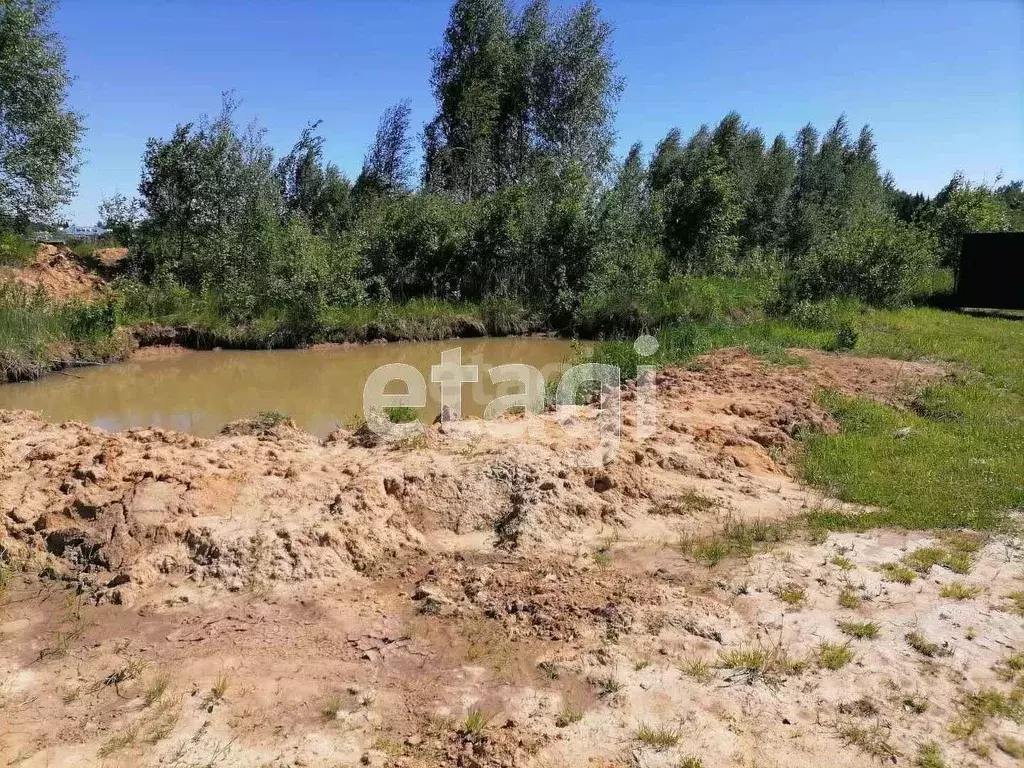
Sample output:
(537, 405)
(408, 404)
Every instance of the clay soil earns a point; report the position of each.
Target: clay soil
(263, 598)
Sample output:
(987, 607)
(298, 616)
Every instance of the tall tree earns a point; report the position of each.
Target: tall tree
(766, 216)
(469, 79)
(386, 167)
(513, 91)
(319, 192)
(39, 135)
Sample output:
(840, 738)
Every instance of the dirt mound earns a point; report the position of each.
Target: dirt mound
(265, 502)
(61, 273)
(460, 599)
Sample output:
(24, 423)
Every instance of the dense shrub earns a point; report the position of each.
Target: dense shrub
(877, 259)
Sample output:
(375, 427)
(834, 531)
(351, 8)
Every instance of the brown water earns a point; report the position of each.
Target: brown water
(199, 392)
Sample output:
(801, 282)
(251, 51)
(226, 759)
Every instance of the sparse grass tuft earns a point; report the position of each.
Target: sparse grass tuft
(793, 594)
(658, 738)
(862, 630)
(901, 574)
(873, 741)
(697, 669)
(606, 686)
(976, 709)
(957, 590)
(118, 741)
(930, 756)
(925, 647)
(475, 723)
(217, 690)
(771, 664)
(711, 553)
(568, 715)
(834, 655)
(843, 562)
(549, 669)
(156, 690)
(333, 707)
(1011, 746)
(848, 598)
(918, 705)
(1015, 602)
(691, 762)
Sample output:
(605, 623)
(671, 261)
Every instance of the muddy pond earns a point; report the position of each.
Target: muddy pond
(320, 387)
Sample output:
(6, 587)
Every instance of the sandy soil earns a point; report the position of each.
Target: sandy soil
(63, 275)
(266, 599)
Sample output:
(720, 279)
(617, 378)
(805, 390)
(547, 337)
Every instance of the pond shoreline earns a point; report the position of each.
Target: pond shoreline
(126, 342)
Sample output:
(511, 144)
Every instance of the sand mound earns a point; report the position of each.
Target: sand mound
(61, 273)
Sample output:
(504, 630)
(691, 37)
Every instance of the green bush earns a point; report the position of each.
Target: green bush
(876, 259)
(15, 250)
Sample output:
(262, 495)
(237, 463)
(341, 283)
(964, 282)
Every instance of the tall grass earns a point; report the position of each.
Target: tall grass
(38, 335)
(15, 250)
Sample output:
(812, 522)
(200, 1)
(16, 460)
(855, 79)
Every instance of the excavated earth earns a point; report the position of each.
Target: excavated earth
(463, 597)
(63, 275)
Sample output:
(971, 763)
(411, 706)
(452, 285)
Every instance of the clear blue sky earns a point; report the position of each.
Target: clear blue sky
(941, 83)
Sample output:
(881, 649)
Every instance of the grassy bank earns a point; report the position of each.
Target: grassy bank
(163, 315)
(38, 336)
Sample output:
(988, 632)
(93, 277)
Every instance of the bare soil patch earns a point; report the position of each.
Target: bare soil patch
(265, 598)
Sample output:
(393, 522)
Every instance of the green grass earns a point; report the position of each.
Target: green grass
(834, 655)
(15, 250)
(401, 414)
(962, 462)
(656, 737)
(862, 630)
(38, 335)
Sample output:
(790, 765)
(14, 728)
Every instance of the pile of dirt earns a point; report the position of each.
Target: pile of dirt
(63, 275)
(272, 503)
(461, 599)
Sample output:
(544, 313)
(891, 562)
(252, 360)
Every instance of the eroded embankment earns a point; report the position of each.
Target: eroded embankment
(460, 599)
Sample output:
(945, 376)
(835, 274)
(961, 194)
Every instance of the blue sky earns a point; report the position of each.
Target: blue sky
(941, 83)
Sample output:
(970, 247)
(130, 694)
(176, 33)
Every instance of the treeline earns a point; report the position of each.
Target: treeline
(519, 199)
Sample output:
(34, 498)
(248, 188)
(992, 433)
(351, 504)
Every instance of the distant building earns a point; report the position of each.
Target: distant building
(84, 233)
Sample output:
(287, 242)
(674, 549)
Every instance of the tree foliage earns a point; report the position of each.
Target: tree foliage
(39, 135)
(521, 200)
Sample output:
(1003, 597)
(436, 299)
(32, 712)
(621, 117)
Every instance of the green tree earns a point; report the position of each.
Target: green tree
(766, 214)
(963, 207)
(318, 192)
(386, 167)
(39, 135)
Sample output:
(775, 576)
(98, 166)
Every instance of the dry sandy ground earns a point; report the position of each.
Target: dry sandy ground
(63, 275)
(265, 599)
